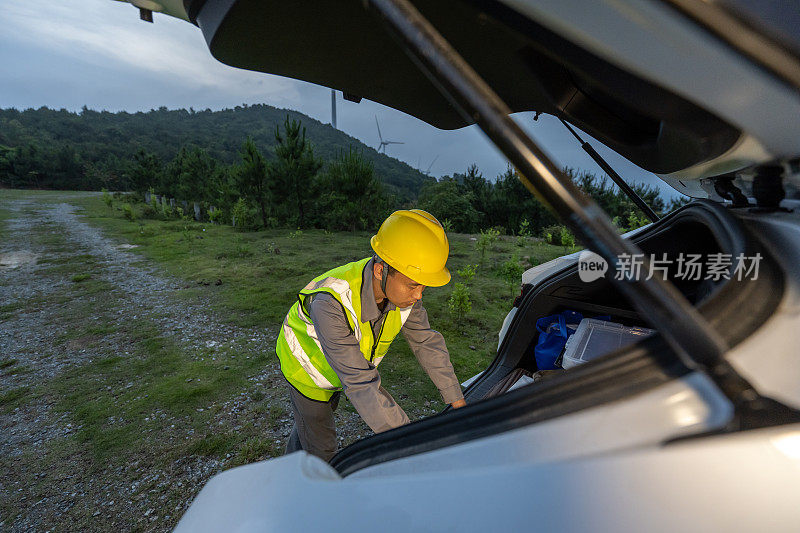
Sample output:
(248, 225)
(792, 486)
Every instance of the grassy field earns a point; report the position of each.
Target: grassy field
(136, 403)
(261, 272)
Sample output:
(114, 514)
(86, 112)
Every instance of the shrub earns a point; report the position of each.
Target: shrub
(128, 212)
(243, 216)
(524, 233)
(486, 239)
(166, 209)
(552, 234)
(148, 211)
(511, 271)
(567, 238)
(107, 198)
(447, 225)
(467, 273)
(459, 302)
(558, 235)
(524, 228)
(215, 216)
(153, 202)
(635, 221)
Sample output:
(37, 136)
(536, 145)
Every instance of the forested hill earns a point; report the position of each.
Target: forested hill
(64, 150)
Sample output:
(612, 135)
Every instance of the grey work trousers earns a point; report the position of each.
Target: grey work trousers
(314, 430)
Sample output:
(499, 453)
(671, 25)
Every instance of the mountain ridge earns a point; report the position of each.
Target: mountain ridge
(99, 138)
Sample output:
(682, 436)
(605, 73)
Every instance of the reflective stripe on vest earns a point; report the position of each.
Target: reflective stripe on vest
(302, 360)
(302, 357)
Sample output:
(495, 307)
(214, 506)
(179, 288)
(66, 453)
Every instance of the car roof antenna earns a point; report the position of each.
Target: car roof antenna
(616, 178)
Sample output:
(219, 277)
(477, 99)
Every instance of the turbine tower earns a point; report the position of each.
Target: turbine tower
(333, 108)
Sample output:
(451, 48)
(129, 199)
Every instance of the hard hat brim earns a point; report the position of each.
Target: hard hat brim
(429, 279)
(432, 279)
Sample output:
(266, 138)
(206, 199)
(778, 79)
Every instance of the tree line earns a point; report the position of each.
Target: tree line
(284, 181)
(469, 202)
(89, 150)
(293, 189)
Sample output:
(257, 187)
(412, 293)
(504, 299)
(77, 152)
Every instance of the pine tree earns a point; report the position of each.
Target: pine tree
(293, 174)
(145, 171)
(251, 178)
(353, 197)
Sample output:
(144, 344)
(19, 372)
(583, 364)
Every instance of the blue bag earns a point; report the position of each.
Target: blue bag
(554, 331)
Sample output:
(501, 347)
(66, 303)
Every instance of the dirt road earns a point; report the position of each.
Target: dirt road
(70, 298)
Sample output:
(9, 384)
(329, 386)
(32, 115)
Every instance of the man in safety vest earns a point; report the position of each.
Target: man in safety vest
(343, 322)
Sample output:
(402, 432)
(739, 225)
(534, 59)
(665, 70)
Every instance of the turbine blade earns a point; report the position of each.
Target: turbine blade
(431, 165)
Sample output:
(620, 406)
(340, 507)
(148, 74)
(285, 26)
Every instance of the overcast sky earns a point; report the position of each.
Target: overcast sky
(97, 53)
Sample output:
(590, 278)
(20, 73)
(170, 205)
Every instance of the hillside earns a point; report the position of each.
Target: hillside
(68, 144)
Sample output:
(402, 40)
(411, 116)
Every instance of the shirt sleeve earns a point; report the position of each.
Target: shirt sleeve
(359, 377)
(431, 352)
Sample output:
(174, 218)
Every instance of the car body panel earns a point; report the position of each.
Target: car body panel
(713, 484)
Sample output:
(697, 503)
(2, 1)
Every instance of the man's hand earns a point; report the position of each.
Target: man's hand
(458, 403)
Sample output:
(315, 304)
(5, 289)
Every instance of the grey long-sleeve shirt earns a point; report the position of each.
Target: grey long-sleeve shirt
(359, 377)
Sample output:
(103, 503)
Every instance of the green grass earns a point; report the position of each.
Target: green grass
(261, 272)
(251, 279)
(13, 398)
(17, 370)
(157, 400)
(114, 399)
(7, 310)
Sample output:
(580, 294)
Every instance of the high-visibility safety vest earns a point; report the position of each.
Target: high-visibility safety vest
(302, 360)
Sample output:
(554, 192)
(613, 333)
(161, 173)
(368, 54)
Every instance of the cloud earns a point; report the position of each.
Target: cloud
(110, 35)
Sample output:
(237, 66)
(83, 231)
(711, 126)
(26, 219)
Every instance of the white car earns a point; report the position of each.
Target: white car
(695, 428)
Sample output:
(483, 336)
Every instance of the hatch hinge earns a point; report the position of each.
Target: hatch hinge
(724, 186)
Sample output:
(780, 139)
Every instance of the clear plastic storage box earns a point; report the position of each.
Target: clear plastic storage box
(594, 338)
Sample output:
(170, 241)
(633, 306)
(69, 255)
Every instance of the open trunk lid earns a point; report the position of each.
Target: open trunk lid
(657, 87)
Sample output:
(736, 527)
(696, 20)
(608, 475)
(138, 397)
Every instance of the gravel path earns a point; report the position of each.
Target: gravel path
(34, 320)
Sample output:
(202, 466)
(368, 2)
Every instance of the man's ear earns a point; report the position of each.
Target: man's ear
(377, 270)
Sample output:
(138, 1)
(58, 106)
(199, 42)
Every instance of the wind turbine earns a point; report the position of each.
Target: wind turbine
(428, 172)
(383, 144)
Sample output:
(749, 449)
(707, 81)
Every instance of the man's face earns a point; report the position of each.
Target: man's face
(401, 290)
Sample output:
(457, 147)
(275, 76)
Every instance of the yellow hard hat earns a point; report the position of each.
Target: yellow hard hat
(414, 243)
